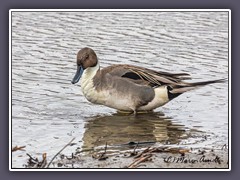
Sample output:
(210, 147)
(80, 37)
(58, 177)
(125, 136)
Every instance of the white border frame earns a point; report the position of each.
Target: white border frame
(117, 10)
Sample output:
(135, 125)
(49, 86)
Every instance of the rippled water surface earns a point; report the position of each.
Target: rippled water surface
(48, 111)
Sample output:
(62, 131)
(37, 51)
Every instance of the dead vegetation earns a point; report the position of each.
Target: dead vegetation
(136, 157)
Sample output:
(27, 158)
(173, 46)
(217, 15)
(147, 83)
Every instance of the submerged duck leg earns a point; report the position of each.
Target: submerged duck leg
(134, 112)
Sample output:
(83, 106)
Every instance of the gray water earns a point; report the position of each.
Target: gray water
(48, 111)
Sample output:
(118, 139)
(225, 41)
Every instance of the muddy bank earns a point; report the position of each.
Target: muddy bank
(155, 157)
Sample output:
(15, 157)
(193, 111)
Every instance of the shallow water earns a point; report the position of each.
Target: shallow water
(48, 111)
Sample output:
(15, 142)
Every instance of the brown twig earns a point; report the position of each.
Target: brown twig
(103, 155)
(16, 148)
(133, 153)
(44, 161)
(134, 150)
(105, 149)
(141, 159)
(148, 152)
(35, 163)
(31, 158)
(60, 152)
(145, 150)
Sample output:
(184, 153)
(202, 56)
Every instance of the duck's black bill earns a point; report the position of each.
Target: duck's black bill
(78, 74)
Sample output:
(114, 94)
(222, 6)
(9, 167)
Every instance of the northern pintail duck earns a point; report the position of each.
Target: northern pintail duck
(127, 87)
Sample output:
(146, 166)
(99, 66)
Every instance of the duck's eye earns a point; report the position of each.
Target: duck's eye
(87, 56)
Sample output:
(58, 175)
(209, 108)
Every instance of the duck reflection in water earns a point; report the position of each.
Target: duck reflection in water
(119, 130)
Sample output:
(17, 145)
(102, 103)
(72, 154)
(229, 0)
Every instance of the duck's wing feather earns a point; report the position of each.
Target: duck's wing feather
(142, 75)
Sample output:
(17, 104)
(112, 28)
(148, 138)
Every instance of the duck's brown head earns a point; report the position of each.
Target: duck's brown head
(86, 58)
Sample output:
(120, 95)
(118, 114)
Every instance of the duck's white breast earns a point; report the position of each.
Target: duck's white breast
(88, 88)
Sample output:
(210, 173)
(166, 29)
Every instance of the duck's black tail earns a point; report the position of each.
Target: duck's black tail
(206, 82)
(176, 91)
